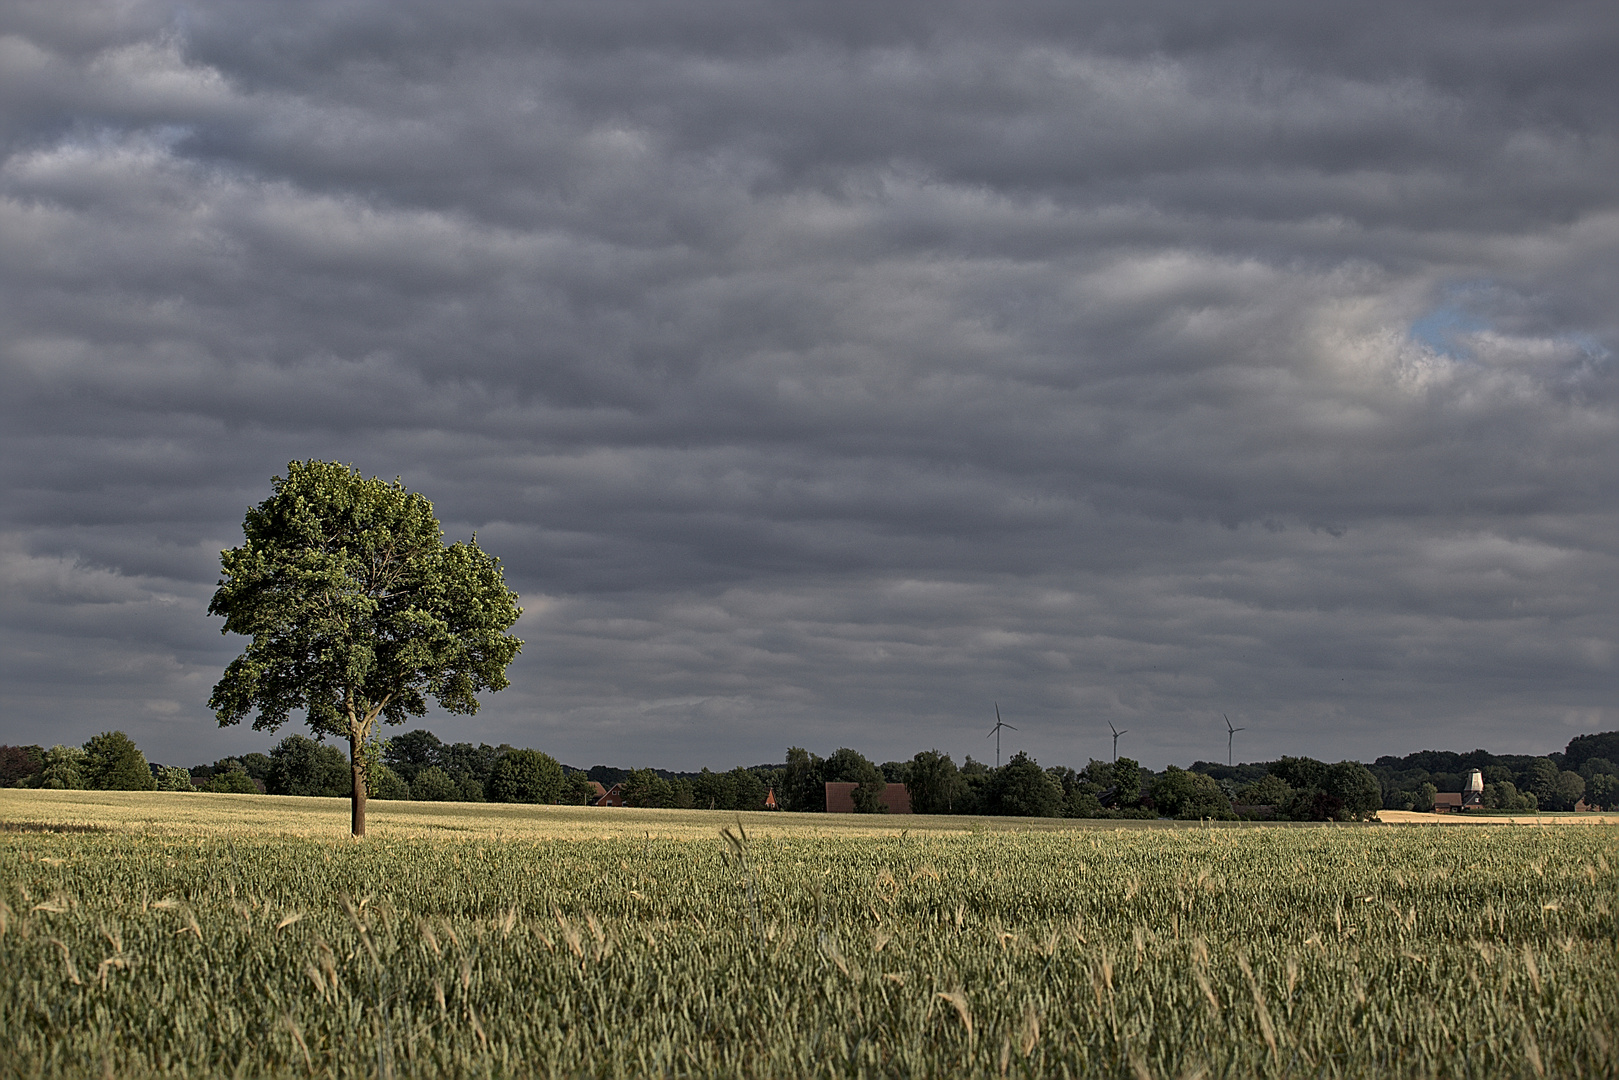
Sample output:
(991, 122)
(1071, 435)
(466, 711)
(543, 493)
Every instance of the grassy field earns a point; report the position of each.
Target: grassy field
(203, 935)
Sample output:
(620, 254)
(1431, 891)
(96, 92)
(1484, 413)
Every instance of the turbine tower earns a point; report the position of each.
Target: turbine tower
(1230, 734)
(1116, 734)
(996, 731)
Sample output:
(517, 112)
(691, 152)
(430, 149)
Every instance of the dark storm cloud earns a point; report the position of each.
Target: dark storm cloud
(825, 374)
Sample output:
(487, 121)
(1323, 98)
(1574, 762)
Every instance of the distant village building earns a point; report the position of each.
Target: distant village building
(1471, 797)
(613, 796)
(770, 800)
(840, 798)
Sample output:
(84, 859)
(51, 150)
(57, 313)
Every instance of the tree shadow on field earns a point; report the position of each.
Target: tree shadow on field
(46, 826)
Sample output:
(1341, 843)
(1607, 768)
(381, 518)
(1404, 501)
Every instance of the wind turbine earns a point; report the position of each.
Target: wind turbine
(996, 731)
(1230, 734)
(1116, 734)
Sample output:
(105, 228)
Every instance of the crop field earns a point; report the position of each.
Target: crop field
(244, 936)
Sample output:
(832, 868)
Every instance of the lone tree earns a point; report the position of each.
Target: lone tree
(358, 612)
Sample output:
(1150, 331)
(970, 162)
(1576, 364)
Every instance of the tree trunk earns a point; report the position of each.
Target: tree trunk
(357, 767)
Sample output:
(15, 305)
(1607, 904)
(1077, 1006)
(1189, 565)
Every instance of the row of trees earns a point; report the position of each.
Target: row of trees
(418, 765)
(1293, 788)
(109, 761)
(1558, 781)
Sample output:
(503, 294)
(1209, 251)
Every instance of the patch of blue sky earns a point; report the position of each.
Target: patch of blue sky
(1443, 328)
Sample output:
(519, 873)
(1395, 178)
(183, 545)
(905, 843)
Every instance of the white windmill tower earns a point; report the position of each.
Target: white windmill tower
(1473, 791)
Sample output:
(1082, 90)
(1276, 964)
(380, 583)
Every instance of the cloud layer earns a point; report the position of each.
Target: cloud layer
(826, 375)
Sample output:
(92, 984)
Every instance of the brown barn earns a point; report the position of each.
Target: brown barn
(840, 798)
(613, 796)
(1447, 802)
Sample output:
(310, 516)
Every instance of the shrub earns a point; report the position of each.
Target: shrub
(64, 769)
(173, 778)
(232, 780)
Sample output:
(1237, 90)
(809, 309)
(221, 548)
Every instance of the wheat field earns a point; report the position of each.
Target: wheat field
(190, 935)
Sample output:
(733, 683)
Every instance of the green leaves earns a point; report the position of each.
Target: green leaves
(356, 609)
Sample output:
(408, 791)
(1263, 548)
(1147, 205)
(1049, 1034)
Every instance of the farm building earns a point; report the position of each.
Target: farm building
(840, 798)
(613, 796)
(1471, 797)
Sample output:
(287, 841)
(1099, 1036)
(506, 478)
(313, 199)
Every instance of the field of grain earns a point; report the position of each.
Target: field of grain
(243, 936)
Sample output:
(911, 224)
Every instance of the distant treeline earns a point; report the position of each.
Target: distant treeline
(418, 765)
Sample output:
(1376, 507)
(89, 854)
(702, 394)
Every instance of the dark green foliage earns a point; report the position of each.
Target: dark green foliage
(1539, 778)
(1102, 790)
(714, 791)
(385, 783)
(433, 784)
(578, 791)
(19, 764)
(750, 790)
(469, 788)
(1602, 791)
(1345, 791)
(231, 781)
(1124, 780)
(1355, 789)
(1503, 796)
(1272, 791)
(526, 776)
(173, 778)
(803, 786)
(1232, 777)
(301, 766)
(934, 783)
(1300, 773)
(1568, 790)
(846, 766)
(606, 775)
(1022, 789)
(357, 611)
(1190, 796)
(410, 753)
(64, 769)
(112, 762)
(1582, 748)
(1597, 767)
(644, 787)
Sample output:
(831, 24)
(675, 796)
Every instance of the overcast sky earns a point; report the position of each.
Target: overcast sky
(826, 373)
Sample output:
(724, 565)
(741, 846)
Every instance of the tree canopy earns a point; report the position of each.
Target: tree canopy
(358, 612)
(301, 766)
(112, 762)
(527, 776)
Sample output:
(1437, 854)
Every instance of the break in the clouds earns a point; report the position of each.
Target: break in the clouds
(826, 374)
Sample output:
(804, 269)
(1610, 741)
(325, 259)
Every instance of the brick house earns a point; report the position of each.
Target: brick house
(840, 798)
